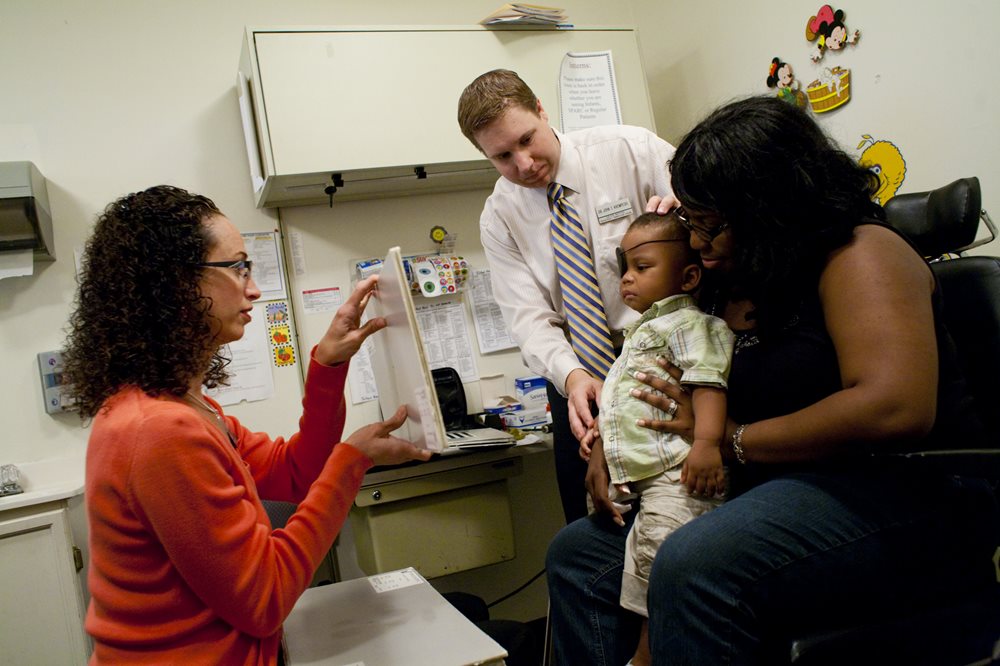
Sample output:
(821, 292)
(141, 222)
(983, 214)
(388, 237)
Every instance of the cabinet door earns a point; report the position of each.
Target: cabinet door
(41, 617)
(343, 100)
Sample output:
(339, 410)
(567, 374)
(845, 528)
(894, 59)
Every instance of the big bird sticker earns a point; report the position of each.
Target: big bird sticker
(884, 159)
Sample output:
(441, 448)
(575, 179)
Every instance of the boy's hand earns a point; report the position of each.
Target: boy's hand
(702, 472)
(597, 482)
(587, 441)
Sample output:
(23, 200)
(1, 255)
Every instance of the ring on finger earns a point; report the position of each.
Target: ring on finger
(672, 409)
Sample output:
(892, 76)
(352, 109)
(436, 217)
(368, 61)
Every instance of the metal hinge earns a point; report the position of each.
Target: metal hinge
(77, 558)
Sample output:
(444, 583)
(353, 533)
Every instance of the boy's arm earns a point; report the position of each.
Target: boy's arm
(702, 472)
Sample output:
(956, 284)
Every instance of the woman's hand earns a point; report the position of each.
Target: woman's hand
(375, 442)
(344, 336)
(661, 205)
(672, 394)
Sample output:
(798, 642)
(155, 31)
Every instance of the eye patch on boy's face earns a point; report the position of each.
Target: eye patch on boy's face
(620, 253)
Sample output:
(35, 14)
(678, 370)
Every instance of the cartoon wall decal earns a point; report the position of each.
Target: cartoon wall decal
(827, 29)
(780, 76)
(831, 90)
(885, 160)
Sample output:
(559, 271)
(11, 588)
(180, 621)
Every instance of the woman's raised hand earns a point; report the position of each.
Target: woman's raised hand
(375, 442)
(344, 336)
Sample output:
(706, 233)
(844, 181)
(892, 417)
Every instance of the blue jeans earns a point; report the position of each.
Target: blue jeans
(800, 553)
(584, 572)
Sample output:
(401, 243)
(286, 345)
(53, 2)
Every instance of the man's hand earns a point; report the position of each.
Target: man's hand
(582, 389)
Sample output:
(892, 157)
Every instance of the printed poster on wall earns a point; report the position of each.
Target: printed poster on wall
(588, 93)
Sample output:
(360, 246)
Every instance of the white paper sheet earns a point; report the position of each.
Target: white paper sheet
(491, 330)
(250, 376)
(263, 249)
(446, 338)
(588, 93)
(316, 301)
(298, 253)
(360, 376)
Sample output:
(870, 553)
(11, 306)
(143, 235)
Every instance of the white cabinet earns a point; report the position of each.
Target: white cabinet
(374, 104)
(41, 617)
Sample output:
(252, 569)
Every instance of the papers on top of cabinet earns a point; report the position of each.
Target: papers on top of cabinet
(523, 14)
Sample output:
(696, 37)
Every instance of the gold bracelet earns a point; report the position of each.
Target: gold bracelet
(737, 442)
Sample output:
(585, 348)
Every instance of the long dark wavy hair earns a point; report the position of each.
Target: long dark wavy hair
(789, 194)
(140, 318)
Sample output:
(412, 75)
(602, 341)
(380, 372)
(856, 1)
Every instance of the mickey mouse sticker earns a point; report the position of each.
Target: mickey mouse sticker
(828, 30)
(780, 76)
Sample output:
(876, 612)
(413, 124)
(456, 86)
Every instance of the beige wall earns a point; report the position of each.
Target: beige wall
(109, 96)
(923, 75)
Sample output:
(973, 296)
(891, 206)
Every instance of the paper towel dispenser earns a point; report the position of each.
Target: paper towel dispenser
(25, 220)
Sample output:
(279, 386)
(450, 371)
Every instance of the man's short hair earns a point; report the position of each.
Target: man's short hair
(488, 97)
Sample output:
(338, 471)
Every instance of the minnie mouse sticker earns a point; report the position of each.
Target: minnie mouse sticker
(827, 29)
(780, 76)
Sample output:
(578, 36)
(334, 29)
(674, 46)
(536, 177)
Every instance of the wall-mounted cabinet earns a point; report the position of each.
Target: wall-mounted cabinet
(373, 104)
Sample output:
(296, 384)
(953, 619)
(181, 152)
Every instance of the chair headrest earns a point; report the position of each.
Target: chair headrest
(940, 221)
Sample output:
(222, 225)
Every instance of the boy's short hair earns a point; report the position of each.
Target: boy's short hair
(670, 226)
(488, 97)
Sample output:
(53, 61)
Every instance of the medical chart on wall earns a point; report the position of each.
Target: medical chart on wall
(588, 93)
(446, 338)
(268, 272)
(491, 330)
(249, 371)
(360, 376)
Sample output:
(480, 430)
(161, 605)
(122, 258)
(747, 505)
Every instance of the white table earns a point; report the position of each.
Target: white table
(384, 620)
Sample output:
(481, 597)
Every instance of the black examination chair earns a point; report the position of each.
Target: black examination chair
(943, 224)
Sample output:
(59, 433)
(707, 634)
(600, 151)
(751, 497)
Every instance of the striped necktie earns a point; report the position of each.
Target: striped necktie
(588, 325)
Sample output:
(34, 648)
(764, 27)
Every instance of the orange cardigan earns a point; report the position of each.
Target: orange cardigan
(184, 565)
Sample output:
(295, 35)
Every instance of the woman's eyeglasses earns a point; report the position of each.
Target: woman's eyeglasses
(707, 234)
(243, 267)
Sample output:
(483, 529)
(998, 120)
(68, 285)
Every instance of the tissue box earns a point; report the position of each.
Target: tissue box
(530, 391)
(502, 405)
(527, 418)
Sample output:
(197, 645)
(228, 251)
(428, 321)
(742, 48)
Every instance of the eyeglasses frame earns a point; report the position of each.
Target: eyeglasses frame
(707, 235)
(238, 265)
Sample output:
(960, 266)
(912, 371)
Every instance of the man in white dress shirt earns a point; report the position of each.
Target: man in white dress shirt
(609, 174)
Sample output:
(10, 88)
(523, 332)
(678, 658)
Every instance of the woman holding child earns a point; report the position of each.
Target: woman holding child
(840, 354)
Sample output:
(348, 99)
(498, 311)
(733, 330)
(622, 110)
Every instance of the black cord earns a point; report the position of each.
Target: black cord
(508, 596)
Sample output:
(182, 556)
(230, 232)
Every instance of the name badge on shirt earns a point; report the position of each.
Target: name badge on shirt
(614, 211)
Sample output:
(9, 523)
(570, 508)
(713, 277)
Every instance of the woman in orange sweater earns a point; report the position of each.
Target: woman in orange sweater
(185, 567)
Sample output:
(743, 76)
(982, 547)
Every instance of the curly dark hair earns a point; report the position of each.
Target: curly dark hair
(789, 194)
(140, 317)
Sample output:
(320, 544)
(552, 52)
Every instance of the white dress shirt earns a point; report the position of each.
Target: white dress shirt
(610, 173)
